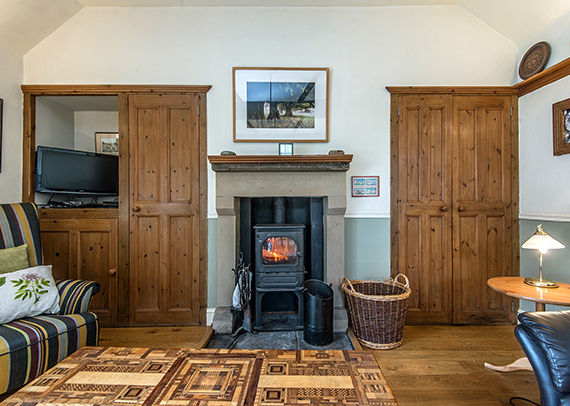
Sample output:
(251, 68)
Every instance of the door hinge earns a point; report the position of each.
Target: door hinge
(512, 306)
(398, 111)
(511, 111)
(199, 110)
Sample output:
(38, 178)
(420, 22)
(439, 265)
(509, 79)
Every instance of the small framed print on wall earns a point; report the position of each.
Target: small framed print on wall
(365, 186)
(561, 127)
(107, 143)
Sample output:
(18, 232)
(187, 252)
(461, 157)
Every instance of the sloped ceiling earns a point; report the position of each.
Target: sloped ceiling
(25, 23)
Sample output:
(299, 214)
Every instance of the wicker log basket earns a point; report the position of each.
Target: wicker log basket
(377, 310)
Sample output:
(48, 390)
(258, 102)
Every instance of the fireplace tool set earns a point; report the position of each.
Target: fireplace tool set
(242, 296)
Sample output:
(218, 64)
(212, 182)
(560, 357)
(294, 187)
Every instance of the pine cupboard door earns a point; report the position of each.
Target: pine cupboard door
(85, 249)
(164, 185)
(423, 200)
(482, 199)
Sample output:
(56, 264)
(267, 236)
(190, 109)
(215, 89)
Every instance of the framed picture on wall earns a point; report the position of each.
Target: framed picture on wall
(365, 186)
(280, 104)
(107, 143)
(561, 127)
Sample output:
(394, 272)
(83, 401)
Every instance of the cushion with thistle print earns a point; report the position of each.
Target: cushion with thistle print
(28, 292)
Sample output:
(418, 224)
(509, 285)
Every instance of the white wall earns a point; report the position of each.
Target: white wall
(54, 124)
(366, 49)
(87, 123)
(11, 76)
(544, 191)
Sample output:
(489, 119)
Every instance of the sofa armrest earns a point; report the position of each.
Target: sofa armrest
(75, 295)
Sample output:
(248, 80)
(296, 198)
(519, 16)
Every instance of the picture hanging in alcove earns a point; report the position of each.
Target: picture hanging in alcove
(561, 127)
(107, 143)
(280, 104)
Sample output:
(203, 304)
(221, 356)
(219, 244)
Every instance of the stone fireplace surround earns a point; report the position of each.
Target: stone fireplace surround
(279, 176)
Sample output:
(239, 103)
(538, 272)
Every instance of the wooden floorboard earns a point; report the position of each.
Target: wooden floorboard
(156, 337)
(443, 365)
(435, 365)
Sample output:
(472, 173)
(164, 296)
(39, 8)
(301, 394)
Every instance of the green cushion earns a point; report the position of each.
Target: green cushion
(14, 259)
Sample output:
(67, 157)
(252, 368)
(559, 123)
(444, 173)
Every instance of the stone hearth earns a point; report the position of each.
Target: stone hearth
(279, 176)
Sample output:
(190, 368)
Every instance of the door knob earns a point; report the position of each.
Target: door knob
(444, 208)
(136, 209)
(461, 208)
(112, 272)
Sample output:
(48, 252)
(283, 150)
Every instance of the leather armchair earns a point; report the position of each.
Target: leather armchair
(545, 339)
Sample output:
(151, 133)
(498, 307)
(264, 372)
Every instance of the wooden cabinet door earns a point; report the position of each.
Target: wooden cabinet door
(482, 203)
(422, 152)
(454, 203)
(85, 249)
(164, 185)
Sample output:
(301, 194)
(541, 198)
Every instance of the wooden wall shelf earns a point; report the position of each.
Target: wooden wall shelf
(467, 90)
(546, 77)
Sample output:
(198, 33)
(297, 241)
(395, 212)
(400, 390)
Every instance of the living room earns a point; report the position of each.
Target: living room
(366, 47)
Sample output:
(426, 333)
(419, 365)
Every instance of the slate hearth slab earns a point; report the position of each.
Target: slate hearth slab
(275, 340)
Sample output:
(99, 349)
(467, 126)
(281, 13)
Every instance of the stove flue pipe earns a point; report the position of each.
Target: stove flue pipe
(279, 210)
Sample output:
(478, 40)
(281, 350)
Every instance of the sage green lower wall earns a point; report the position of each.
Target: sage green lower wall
(556, 263)
(367, 252)
(367, 256)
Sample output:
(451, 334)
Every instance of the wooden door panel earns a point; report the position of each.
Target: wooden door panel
(183, 152)
(56, 247)
(183, 263)
(424, 219)
(429, 271)
(147, 155)
(482, 223)
(165, 237)
(146, 280)
(97, 260)
(85, 249)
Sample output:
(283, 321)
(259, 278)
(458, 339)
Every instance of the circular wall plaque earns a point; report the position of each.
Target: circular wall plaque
(534, 60)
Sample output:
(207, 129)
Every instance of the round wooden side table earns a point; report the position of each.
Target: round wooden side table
(514, 286)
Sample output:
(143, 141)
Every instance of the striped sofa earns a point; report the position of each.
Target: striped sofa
(29, 346)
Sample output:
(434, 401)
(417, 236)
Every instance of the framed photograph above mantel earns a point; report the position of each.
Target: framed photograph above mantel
(561, 127)
(280, 104)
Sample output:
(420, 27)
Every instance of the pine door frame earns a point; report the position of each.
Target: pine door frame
(395, 92)
(32, 92)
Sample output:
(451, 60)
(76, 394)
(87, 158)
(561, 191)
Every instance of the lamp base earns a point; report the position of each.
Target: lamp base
(541, 283)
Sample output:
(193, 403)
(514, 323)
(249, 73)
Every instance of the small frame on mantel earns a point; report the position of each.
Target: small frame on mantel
(561, 127)
(285, 148)
(365, 186)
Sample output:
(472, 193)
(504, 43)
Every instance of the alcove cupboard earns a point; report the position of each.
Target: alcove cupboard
(150, 253)
(454, 200)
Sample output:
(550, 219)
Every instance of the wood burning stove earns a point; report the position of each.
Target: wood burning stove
(279, 267)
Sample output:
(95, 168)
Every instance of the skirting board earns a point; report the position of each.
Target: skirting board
(210, 315)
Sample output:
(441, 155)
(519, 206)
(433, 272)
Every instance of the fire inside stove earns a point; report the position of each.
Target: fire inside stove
(278, 251)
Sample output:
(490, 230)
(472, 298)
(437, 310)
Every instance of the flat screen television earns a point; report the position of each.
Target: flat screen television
(71, 172)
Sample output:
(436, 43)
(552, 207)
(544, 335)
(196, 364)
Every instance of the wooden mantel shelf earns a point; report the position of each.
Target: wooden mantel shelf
(280, 163)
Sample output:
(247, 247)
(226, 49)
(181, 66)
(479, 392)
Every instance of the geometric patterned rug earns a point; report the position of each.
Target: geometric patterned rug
(178, 377)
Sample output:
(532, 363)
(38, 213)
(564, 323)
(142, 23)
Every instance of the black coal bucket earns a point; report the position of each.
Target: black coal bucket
(318, 321)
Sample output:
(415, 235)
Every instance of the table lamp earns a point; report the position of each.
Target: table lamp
(542, 242)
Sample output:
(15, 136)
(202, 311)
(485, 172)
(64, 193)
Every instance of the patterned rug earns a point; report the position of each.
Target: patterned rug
(174, 377)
